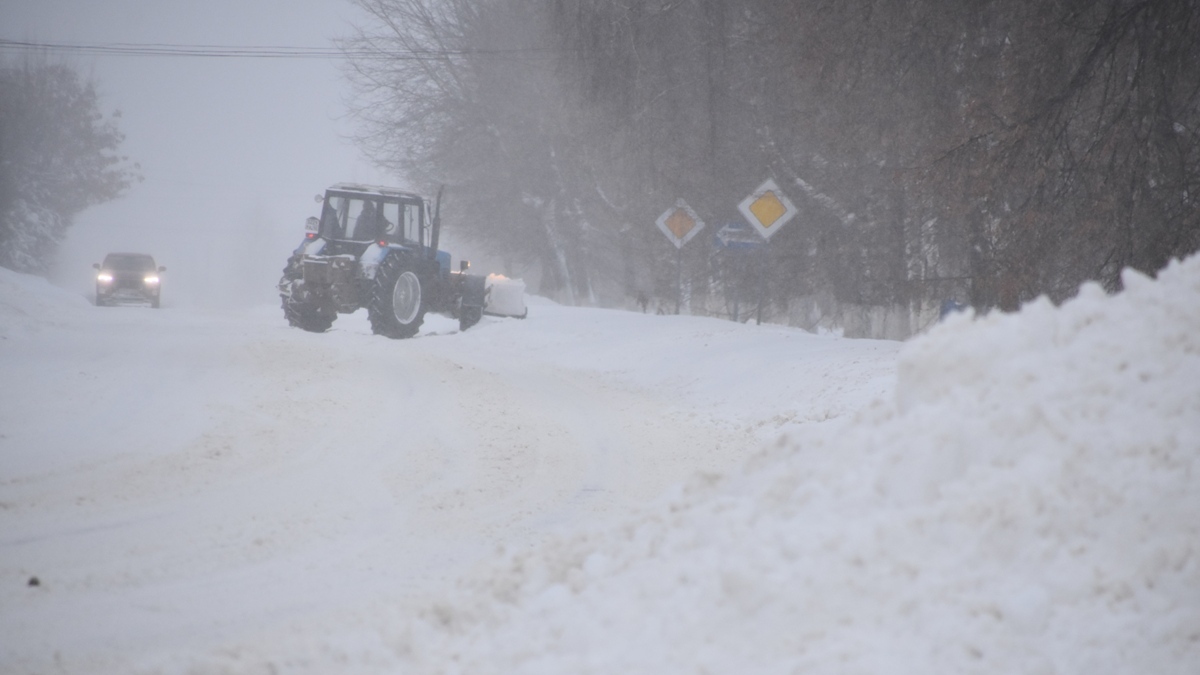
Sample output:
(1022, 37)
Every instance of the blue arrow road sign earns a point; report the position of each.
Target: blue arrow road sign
(738, 236)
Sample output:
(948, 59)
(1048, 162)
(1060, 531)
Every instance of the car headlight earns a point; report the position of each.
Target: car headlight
(151, 279)
(104, 278)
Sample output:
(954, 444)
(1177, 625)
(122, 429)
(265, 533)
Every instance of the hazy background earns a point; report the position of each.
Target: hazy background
(232, 149)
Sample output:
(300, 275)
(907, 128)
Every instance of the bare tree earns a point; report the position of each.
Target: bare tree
(988, 150)
(466, 94)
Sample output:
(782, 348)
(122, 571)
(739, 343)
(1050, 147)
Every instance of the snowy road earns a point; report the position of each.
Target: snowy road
(180, 480)
(595, 492)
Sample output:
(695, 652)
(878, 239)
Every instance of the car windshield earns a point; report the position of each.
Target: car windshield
(129, 263)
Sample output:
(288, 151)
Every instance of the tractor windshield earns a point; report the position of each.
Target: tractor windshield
(348, 218)
(366, 218)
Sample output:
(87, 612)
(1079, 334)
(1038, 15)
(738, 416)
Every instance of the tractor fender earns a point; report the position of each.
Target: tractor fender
(311, 247)
(443, 261)
(370, 259)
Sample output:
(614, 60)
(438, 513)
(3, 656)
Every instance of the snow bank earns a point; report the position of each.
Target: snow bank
(27, 301)
(1028, 503)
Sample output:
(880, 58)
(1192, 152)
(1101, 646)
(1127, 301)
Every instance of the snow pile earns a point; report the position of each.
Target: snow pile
(1029, 503)
(505, 297)
(27, 301)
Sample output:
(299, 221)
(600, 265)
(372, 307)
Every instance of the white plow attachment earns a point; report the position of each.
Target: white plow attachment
(505, 297)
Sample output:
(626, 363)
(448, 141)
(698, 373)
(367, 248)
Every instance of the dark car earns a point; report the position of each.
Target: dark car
(124, 277)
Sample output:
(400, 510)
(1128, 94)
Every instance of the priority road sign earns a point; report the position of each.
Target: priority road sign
(680, 223)
(767, 209)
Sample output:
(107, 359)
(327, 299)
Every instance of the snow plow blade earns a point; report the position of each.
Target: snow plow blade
(505, 297)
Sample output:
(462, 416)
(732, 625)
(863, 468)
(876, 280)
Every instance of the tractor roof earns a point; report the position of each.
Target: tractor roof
(374, 190)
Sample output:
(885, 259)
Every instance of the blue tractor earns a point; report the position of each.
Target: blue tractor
(377, 247)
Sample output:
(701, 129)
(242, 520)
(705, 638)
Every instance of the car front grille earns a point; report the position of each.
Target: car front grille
(136, 282)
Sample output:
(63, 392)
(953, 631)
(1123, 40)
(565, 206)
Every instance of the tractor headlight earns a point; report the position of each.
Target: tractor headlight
(151, 279)
(104, 278)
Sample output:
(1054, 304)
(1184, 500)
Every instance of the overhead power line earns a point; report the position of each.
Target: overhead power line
(253, 51)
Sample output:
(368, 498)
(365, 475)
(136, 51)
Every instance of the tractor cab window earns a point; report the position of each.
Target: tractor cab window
(392, 221)
(412, 222)
(356, 218)
(366, 218)
(361, 220)
(333, 217)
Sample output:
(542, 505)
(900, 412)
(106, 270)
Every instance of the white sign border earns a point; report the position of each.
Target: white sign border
(789, 211)
(662, 223)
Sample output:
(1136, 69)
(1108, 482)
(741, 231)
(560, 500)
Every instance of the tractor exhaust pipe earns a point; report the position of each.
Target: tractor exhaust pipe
(437, 224)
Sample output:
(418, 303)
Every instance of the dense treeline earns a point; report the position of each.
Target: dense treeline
(986, 150)
(58, 155)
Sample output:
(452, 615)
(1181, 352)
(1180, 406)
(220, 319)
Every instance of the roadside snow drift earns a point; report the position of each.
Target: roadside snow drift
(1028, 503)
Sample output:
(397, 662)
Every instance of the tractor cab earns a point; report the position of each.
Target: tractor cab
(361, 215)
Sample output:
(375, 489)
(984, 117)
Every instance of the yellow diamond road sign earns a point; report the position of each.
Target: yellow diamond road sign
(767, 209)
(680, 223)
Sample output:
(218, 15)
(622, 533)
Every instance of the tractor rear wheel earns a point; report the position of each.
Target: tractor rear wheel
(313, 312)
(397, 303)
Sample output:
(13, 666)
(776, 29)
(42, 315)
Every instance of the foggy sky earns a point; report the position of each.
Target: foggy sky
(232, 149)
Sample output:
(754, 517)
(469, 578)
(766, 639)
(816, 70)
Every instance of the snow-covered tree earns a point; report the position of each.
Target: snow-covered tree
(58, 155)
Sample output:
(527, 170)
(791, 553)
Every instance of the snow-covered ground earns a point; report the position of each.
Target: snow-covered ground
(591, 491)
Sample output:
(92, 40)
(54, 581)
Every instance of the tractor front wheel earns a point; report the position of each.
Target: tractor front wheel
(397, 306)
